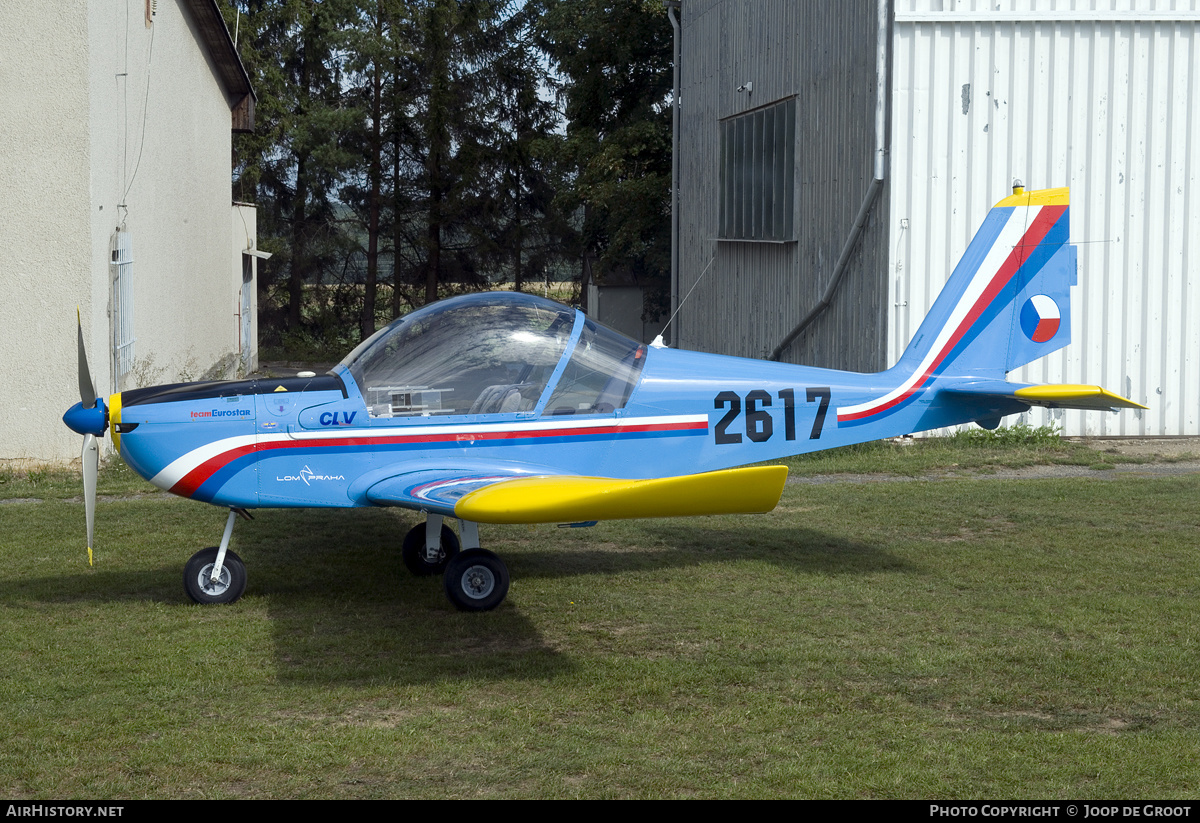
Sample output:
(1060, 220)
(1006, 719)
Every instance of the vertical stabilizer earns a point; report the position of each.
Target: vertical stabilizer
(1006, 304)
(1008, 301)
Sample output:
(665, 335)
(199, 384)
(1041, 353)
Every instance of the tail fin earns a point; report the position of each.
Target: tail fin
(1008, 301)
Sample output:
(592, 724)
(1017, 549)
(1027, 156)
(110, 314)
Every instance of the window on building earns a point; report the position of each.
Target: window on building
(758, 164)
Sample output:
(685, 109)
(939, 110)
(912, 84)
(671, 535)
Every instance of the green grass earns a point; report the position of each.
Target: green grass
(973, 450)
(963, 638)
(59, 483)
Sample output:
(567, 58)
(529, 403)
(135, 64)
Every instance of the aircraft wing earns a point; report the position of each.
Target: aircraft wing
(518, 496)
(1052, 396)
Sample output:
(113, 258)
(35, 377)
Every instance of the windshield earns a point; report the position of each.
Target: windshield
(480, 354)
(493, 353)
(603, 369)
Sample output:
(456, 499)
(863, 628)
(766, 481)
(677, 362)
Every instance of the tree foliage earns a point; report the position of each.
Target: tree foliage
(292, 165)
(407, 149)
(616, 89)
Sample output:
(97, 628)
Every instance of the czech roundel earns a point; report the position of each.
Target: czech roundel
(1040, 318)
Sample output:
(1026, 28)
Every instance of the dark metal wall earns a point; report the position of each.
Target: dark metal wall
(754, 293)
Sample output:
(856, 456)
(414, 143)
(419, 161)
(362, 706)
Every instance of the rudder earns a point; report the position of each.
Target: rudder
(1006, 304)
(1008, 301)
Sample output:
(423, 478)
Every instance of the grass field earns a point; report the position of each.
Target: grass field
(962, 638)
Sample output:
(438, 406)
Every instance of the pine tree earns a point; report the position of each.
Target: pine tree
(614, 64)
(293, 163)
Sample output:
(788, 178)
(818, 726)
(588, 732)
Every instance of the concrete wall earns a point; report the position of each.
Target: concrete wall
(161, 147)
(108, 122)
(245, 296)
(46, 233)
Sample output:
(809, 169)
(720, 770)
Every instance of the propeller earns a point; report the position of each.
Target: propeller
(87, 389)
(91, 465)
(88, 417)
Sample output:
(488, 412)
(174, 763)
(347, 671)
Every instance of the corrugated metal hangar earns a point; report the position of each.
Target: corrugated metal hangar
(845, 154)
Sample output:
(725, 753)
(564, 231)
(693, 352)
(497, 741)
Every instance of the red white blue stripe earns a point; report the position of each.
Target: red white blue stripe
(1024, 230)
(185, 474)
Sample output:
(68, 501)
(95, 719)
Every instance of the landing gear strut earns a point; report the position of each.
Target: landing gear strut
(475, 580)
(429, 546)
(215, 574)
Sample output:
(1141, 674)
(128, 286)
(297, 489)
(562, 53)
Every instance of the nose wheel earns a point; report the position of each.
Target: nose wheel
(202, 587)
(216, 575)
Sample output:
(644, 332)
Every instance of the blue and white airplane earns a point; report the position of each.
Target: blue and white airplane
(506, 408)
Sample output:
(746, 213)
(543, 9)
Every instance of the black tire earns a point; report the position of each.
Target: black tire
(197, 577)
(476, 580)
(414, 551)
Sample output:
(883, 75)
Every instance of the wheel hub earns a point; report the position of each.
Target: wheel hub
(212, 587)
(478, 582)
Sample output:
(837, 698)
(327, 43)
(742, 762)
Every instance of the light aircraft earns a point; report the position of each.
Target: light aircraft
(507, 408)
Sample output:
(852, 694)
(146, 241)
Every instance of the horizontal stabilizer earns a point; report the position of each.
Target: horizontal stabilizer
(1073, 396)
(575, 499)
(1051, 396)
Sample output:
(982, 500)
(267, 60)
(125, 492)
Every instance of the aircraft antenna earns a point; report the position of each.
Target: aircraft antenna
(658, 342)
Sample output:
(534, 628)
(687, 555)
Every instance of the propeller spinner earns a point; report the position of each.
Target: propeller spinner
(88, 417)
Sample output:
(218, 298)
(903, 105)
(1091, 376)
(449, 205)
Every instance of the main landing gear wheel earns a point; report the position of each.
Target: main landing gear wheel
(198, 582)
(476, 580)
(414, 551)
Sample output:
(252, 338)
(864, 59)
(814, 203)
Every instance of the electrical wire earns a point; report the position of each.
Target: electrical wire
(145, 113)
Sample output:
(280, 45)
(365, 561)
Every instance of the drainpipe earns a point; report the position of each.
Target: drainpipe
(672, 7)
(883, 14)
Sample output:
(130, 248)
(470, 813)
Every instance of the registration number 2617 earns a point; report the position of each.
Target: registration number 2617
(757, 421)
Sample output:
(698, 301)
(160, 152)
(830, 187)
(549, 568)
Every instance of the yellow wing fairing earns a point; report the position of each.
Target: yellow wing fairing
(1074, 396)
(574, 499)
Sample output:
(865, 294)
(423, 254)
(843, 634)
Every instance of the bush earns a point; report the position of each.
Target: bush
(1021, 434)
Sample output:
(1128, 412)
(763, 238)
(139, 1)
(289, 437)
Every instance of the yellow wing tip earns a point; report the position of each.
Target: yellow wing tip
(1040, 197)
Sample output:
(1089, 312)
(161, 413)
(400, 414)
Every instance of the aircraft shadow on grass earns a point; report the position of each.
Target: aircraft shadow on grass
(343, 609)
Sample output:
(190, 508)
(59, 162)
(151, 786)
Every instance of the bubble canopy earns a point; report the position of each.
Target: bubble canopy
(495, 353)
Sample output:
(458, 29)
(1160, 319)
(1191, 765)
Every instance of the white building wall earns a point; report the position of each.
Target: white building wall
(45, 234)
(161, 168)
(1103, 97)
(109, 122)
(245, 294)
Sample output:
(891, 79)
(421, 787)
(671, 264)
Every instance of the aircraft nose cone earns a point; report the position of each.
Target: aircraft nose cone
(87, 421)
